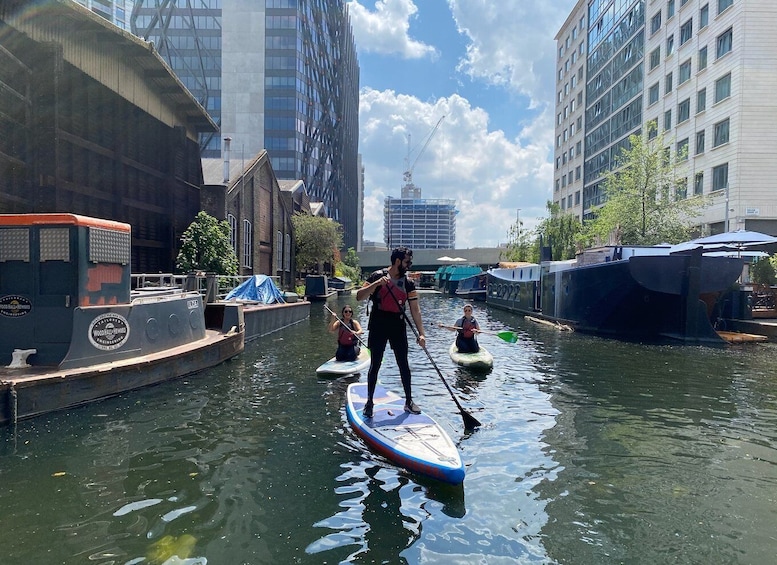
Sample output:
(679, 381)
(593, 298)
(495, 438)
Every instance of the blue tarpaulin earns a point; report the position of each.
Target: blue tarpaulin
(260, 288)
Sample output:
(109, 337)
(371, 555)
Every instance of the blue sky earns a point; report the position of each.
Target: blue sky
(488, 67)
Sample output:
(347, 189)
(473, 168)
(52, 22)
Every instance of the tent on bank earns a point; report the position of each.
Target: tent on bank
(259, 288)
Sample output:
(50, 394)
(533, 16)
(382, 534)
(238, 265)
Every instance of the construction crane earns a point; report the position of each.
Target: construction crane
(409, 190)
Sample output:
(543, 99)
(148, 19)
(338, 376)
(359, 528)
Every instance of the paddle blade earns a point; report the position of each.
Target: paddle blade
(509, 337)
(470, 422)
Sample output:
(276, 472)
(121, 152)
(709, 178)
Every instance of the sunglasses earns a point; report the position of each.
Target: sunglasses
(347, 311)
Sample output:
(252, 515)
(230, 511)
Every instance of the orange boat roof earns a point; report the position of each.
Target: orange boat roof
(59, 219)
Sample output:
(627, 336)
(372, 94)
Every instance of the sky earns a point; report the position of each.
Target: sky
(489, 67)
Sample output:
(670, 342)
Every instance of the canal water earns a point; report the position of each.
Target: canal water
(591, 451)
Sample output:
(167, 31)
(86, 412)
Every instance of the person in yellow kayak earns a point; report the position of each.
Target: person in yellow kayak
(347, 330)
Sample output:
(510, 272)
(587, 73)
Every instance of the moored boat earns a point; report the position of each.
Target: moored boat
(646, 293)
(473, 287)
(317, 288)
(71, 330)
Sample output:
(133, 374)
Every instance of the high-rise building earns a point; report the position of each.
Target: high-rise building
(419, 223)
(115, 11)
(280, 75)
(688, 68)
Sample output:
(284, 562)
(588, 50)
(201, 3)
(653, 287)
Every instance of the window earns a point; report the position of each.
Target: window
(724, 43)
(655, 58)
(686, 31)
(703, 58)
(577, 198)
(668, 120)
(577, 172)
(668, 84)
(699, 142)
(720, 177)
(721, 133)
(682, 149)
(701, 100)
(653, 94)
(278, 250)
(684, 111)
(669, 9)
(683, 3)
(669, 45)
(685, 72)
(655, 23)
(723, 4)
(652, 128)
(722, 88)
(558, 163)
(247, 236)
(704, 16)
(698, 183)
(681, 188)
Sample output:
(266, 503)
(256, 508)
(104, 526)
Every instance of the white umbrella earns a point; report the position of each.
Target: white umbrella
(445, 258)
(739, 238)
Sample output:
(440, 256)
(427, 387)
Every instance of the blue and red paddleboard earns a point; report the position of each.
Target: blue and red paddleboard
(413, 441)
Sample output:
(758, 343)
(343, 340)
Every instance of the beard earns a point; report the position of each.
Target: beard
(402, 270)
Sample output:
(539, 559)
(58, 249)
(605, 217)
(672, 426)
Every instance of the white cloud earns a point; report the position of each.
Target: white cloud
(488, 175)
(512, 43)
(385, 30)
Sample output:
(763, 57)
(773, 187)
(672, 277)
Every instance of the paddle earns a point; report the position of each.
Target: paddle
(506, 335)
(470, 422)
(349, 329)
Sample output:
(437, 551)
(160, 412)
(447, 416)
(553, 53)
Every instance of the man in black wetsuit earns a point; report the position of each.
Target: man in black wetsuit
(389, 289)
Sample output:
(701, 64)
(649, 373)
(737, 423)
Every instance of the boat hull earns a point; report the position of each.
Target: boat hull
(413, 441)
(654, 297)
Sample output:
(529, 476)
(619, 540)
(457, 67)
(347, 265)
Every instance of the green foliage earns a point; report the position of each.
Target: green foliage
(522, 244)
(349, 267)
(561, 231)
(205, 247)
(317, 241)
(646, 198)
(763, 272)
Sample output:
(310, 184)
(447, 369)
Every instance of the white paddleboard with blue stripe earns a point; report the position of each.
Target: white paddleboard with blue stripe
(413, 441)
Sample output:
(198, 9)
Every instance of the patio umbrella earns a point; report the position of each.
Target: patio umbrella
(739, 238)
(444, 258)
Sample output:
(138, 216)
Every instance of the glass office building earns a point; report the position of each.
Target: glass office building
(420, 223)
(116, 11)
(280, 75)
(682, 68)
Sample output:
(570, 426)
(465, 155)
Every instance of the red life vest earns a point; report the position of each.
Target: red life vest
(468, 328)
(388, 303)
(344, 337)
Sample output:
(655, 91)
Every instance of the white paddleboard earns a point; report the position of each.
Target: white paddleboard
(480, 361)
(335, 367)
(413, 441)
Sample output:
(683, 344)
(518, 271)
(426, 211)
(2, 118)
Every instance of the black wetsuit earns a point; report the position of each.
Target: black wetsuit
(387, 325)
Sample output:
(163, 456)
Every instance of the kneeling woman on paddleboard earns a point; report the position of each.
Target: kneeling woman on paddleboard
(347, 330)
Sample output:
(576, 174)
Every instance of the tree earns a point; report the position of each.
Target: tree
(349, 267)
(317, 240)
(561, 231)
(205, 246)
(521, 244)
(646, 196)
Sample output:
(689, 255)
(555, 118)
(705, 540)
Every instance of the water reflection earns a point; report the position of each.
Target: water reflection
(591, 451)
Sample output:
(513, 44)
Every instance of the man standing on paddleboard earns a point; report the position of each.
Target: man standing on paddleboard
(390, 289)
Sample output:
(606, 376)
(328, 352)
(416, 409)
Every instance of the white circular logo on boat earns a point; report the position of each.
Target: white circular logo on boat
(108, 331)
(14, 306)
